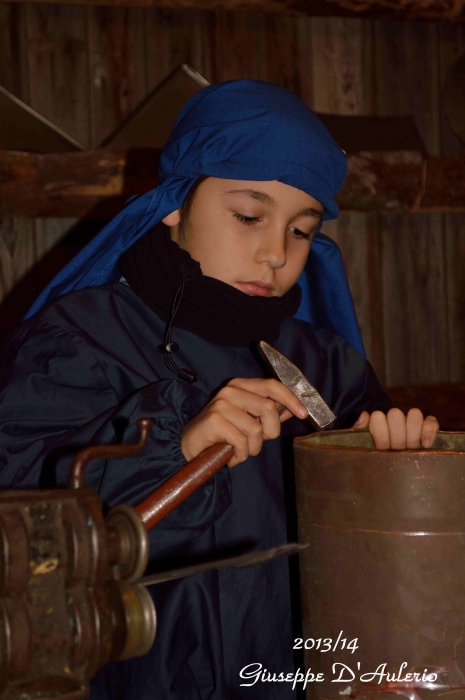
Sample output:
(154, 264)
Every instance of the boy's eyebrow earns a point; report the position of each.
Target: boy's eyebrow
(255, 194)
(266, 199)
(311, 211)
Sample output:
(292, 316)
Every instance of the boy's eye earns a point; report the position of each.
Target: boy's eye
(247, 220)
(300, 234)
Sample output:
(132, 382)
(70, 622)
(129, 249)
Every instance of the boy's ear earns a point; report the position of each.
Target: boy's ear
(172, 219)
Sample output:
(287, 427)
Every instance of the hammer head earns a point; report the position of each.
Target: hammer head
(319, 413)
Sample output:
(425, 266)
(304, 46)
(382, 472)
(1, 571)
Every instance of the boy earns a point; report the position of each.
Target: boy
(158, 317)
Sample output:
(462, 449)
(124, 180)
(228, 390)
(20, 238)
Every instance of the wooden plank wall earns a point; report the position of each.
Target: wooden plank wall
(86, 68)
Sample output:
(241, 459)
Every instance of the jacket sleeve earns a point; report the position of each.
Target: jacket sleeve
(55, 398)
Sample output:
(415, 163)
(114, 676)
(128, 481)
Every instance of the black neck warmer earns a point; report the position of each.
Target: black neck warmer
(155, 265)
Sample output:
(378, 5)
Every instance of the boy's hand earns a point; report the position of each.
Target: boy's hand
(242, 414)
(395, 431)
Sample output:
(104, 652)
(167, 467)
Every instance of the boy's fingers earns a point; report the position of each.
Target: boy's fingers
(285, 415)
(414, 428)
(201, 433)
(362, 421)
(250, 427)
(397, 432)
(276, 390)
(379, 430)
(273, 389)
(429, 431)
(397, 424)
(231, 399)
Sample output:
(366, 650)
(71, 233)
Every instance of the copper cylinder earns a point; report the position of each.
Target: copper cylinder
(385, 566)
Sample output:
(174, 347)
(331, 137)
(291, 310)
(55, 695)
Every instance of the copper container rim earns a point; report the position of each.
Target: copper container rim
(306, 441)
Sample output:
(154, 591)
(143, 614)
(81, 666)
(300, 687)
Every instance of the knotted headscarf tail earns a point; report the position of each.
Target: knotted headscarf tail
(239, 130)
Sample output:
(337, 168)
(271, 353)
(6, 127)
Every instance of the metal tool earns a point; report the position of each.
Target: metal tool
(319, 413)
(70, 601)
(237, 562)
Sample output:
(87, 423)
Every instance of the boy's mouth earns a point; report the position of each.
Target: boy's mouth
(257, 288)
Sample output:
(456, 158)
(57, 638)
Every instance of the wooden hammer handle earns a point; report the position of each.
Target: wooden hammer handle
(182, 484)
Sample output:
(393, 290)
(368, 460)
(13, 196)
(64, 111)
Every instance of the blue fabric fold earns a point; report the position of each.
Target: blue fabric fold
(243, 130)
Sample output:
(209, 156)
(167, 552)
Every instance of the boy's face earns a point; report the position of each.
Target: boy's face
(253, 235)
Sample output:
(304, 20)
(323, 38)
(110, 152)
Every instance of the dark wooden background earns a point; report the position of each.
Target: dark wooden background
(86, 68)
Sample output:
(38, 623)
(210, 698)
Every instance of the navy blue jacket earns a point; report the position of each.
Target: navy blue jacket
(84, 369)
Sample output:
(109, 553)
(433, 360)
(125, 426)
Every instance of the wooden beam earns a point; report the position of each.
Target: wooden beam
(452, 10)
(382, 181)
(96, 183)
(93, 183)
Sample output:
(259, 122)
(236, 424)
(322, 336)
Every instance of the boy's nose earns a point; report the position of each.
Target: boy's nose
(272, 250)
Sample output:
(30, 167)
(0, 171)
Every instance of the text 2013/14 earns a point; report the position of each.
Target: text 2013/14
(326, 644)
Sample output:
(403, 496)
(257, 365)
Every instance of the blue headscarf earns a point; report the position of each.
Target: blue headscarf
(239, 130)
